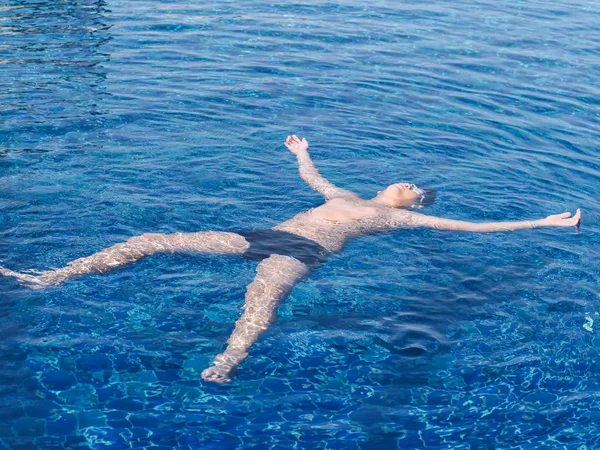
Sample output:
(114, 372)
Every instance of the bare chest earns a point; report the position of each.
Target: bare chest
(340, 211)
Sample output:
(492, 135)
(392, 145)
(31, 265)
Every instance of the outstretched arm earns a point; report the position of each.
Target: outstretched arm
(557, 220)
(309, 172)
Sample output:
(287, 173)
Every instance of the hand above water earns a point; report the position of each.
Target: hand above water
(561, 220)
(295, 145)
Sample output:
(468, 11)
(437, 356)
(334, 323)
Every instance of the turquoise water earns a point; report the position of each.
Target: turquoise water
(124, 117)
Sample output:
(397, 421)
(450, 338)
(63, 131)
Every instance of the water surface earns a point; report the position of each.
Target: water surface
(124, 117)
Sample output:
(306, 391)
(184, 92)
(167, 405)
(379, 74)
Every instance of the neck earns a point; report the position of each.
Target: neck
(383, 200)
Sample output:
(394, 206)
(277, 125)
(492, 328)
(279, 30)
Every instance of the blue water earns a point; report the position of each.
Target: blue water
(121, 117)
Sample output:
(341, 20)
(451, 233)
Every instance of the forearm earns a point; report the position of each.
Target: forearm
(310, 174)
(412, 219)
(484, 227)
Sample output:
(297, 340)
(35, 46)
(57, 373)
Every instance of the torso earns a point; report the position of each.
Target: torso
(339, 219)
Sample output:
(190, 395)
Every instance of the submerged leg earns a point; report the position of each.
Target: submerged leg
(136, 248)
(275, 278)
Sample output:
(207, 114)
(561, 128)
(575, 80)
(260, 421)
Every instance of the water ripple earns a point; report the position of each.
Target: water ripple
(123, 117)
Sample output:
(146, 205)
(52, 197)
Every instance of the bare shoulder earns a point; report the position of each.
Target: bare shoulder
(345, 194)
(403, 218)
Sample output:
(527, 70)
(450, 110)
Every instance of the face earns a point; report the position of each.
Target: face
(400, 195)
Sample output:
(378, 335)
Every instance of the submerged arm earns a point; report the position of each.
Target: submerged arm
(557, 220)
(309, 172)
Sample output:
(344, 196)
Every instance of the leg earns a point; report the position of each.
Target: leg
(137, 248)
(275, 278)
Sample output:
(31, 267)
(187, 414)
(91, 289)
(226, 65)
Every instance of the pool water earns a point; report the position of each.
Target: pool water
(119, 117)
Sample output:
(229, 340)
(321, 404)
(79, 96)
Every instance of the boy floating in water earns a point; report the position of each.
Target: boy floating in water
(287, 252)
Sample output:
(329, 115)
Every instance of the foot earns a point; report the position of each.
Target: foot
(224, 366)
(217, 374)
(30, 281)
(295, 145)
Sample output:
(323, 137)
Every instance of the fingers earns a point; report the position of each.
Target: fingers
(571, 221)
(564, 219)
(577, 216)
(289, 143)
(293, 143)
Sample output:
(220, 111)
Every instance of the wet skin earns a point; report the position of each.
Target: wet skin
(343, 216)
